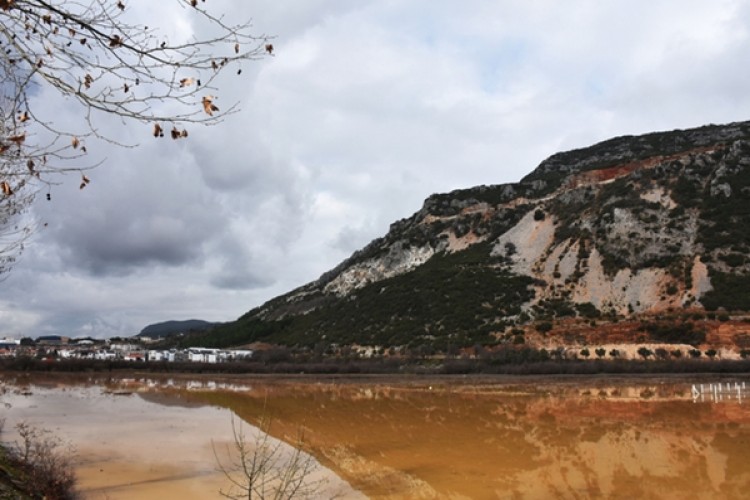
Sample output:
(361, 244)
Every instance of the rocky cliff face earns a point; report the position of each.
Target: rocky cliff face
(629, 226)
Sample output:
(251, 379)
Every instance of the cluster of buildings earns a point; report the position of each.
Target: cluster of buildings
(55, 347)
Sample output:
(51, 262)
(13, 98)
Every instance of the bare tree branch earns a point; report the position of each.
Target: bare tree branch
(91, 53)
(263, 468)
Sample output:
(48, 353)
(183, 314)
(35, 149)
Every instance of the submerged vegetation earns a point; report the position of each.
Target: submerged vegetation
(258, 467)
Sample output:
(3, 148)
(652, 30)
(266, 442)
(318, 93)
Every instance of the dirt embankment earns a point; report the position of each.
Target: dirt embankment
(729, 337)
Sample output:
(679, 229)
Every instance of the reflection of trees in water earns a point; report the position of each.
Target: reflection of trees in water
(477, 443)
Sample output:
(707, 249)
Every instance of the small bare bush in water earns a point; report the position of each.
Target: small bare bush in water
(262, 467)
(45, 462)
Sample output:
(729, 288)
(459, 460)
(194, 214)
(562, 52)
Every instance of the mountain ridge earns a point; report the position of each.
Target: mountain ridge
(631, 225)
(164, 328)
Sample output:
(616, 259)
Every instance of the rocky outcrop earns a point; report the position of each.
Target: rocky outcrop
(398, 260)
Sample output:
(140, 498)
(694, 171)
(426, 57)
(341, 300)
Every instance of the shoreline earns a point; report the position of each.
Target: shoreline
(388, 378)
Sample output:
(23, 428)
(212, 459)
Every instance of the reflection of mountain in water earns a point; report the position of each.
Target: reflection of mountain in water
(479, 442)
(170, 399)
(171, 392)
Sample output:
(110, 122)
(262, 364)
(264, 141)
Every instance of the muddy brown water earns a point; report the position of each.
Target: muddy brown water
(412, 438)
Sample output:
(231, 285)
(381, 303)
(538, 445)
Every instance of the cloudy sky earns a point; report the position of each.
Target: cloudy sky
(367, 108)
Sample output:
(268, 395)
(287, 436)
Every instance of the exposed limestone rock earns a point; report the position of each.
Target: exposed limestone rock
(531, 238)
(658, 195)
(700, 279)
(721, 189)
(456, 244)
(397, 261)
(554, 264)
(639, 291)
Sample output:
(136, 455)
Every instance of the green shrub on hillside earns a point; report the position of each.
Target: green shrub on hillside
(730, 291)
(460, 296)
(675, 333)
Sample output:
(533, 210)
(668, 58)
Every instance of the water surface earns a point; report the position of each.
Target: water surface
(459, 438)
(135, 438)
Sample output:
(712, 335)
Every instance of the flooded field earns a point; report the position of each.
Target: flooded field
(412, 438)
(136, 439)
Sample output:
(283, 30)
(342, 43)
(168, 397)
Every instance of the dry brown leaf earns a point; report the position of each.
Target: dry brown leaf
(115, 41)
(186, 82)
(158, 132)
(4, 148)
(125, 87)
(120, 5)
(194, 3)
(208, 105)
(24, 117)
(7, 191)
(88, 80)
(178, 134)
(6, 4)
(75, 142)
(269, 48)
(17, 139)
(236, 48)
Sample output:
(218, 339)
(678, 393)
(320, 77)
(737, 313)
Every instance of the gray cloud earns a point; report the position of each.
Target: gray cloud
(366, 109)
(146, 210)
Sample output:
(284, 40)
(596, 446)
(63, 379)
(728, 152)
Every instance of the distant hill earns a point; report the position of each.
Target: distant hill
(168, 327)
(633, 240)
